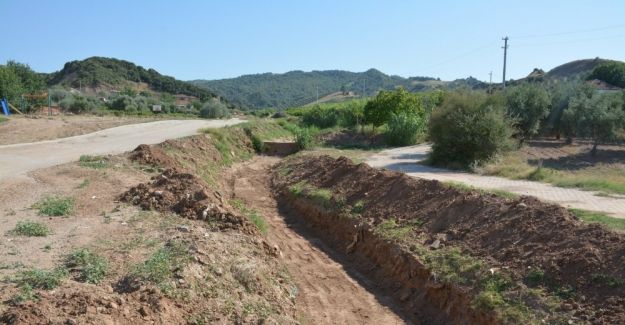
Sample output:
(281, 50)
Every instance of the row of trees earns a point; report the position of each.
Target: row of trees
(17, 79)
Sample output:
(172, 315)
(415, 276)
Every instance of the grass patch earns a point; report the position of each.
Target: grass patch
(94, 162)
(606, 280)
(298, 188)
(55, 206)
(468, 188)
(252, 215)
(321, 196)
(90, 267)
(31, 229)
(600, 218)
(391, 229)
(600, 177)
(161, 266)
(42, 279)
(358, 207)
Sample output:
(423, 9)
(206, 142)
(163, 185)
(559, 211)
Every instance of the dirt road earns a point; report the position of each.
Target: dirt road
(18, 159)
(405, 159)
(330, 292)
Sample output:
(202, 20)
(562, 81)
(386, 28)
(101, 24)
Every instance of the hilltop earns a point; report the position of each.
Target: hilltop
(96, 74)
(296, 88)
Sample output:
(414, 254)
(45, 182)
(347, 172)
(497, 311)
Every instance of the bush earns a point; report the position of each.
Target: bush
(321, 117)
(404, 129)
(468, 128)
(123, 103)
(31, 229)
(304, 138)
(378, 110)
(214, 109)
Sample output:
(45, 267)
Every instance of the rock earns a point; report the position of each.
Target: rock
(436, 244)
(112, 305)
(183, 228)
(143, 311)
(218, 271)
(566, 307)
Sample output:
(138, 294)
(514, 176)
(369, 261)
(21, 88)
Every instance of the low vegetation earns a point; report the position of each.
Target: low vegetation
(31, 229)
(162, 265)
(87, 265)
(94, 162)
(600, 218)
(251, 214)
(55, 206)
(41, 279)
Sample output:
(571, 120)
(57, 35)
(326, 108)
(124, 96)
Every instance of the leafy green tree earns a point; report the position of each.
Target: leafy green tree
(378, 110)
(528, 105)
(598, 116)
(30, 80)
(611, 72)
(10, 84)
(468, 129)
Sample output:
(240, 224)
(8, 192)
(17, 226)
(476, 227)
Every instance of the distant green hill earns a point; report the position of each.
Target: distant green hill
(98, 72)
(298, 88)
(575, 69)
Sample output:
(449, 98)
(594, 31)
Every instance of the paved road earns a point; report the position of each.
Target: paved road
(18, 159)
(405, 160)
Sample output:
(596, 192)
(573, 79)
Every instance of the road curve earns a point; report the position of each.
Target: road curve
(405, 159)
(18, 159)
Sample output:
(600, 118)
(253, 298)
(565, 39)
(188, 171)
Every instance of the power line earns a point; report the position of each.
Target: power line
(460, 56)
(579, 31)
(571, 41)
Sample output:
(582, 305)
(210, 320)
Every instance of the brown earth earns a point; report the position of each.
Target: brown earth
(233, 274)
(518, 235)
(22, 129)
(331, 290)
(577, 155)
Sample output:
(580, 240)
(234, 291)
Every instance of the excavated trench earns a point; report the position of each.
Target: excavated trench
(420, 297)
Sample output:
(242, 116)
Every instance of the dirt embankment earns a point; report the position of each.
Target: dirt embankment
(533, 243)
(192, 257)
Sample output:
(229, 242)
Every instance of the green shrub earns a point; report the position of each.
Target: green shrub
(379, 110)
(214, 109)
(469, 128)
(304, 138)
(404, 129)
(528, 105)
(321, 117)
(42, 279)
(55, 206)
(91, 268)
(358, 207)
(31, 229)
(321, 196)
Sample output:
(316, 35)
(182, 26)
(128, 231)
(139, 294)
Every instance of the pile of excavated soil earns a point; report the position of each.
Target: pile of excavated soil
(520, 235)
(153, 156)
(88, 304)
(188, 196)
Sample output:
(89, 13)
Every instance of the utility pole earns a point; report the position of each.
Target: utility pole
(505, 54)
(490, 81)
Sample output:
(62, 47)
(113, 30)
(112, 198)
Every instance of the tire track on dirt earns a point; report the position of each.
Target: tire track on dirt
(327, 293)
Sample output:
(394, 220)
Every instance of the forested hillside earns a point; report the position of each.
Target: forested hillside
(298, 87)
(97, 71)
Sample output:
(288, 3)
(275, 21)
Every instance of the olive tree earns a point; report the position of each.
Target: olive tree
(596, 116)
(528, 105)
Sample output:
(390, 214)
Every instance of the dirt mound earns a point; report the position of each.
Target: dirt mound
(519, 235)
(351, 139)
(88, 304)
(188, 196)
(153, 156)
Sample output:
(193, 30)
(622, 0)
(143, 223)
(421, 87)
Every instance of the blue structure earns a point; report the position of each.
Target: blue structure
(5, 107)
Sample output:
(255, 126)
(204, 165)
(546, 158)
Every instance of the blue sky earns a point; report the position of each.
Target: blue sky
(221, 39)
